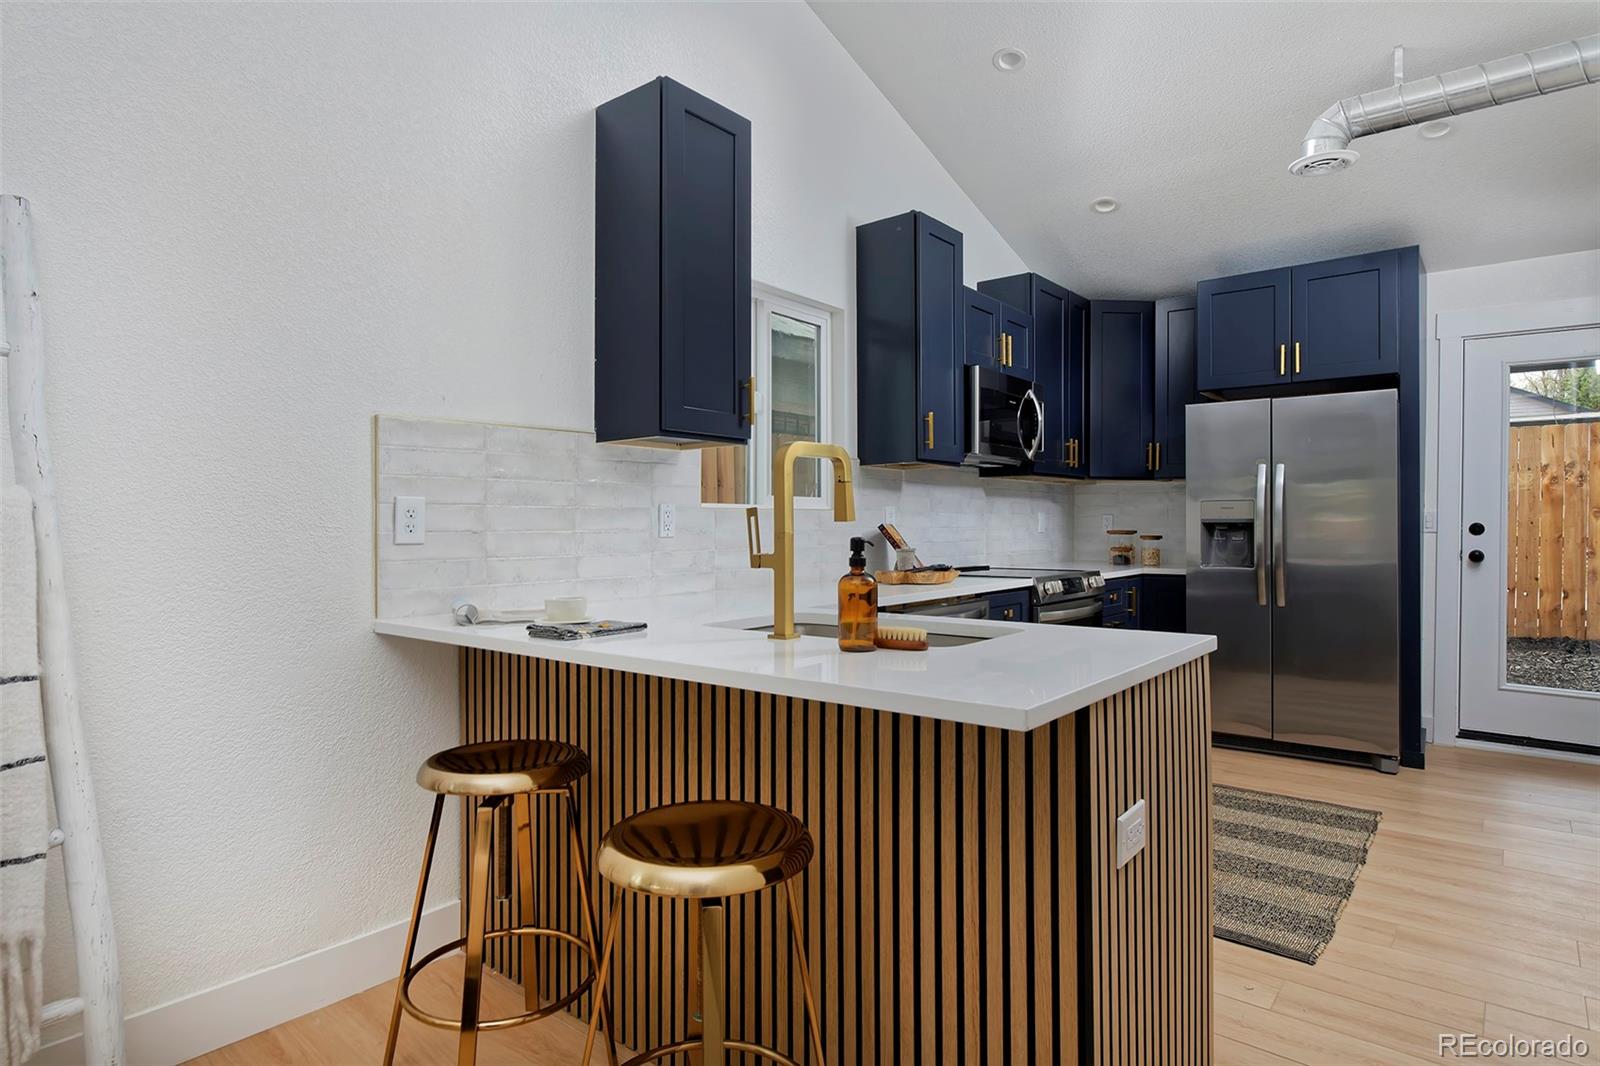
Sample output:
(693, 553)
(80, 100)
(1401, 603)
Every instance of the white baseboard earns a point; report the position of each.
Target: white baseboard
(178, 1031)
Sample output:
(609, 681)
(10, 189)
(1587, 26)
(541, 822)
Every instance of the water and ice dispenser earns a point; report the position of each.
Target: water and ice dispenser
(1227, 534)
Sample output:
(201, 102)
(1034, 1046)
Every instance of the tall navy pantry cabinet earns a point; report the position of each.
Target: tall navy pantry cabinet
(672, 269)
(1059, 366)
(910, 341)
(1121, 388)
(1175, 383)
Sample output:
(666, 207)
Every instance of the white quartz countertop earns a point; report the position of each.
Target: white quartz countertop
(1021, 678)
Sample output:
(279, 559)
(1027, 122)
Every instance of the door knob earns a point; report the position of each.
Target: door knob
(1476, 529)
(1474, 556)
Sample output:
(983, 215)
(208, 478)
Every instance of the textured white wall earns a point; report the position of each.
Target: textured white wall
(1550, 277)
(257, 226)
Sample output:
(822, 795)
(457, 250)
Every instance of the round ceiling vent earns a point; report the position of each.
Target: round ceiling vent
(1103, 206)
(1010, 59)
(1324, 162)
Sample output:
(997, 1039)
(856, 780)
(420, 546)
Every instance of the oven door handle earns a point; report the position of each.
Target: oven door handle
(1071, 614)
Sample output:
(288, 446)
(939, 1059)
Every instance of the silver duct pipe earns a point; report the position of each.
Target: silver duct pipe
(1544, 70)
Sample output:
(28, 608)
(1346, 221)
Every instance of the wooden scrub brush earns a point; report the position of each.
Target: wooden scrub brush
(901, 638)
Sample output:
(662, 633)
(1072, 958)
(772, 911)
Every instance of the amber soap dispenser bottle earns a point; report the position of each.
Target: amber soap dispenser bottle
(858, 602)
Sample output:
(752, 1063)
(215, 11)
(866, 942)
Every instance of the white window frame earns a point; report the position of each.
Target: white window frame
(766, 300)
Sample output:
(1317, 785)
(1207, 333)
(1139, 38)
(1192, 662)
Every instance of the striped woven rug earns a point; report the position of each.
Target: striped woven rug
(1285, 868)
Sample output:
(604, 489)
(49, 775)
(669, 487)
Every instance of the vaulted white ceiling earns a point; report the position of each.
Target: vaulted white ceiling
(1189, 114)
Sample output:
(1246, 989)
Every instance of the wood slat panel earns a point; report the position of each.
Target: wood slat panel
(945, 905)
(1149, 923)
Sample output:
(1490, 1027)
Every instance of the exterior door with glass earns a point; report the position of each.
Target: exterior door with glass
(1530, 538)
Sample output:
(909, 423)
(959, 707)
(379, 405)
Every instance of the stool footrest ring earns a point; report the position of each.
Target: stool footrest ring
(440, 1022)
(682, 1046)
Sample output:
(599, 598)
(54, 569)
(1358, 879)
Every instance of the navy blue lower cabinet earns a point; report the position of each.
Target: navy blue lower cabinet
(1175, 382)
(672, 268)
(981, 318)
(1013, 606)
(1243, 330)
(1346, 315)
(910, 338)
(1162, 605)
(1121, 388)
(1121, 609)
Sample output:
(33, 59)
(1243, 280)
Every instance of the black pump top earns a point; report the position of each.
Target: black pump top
(858, 551)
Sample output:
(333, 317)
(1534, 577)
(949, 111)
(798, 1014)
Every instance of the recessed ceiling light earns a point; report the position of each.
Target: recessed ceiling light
(1105, 205)
(1432, 131)
(1010, 59)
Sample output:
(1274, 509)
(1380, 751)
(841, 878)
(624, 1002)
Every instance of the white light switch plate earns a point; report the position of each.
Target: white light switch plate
(1107, 521)
(891, 515)
(1038, 521)
(667, 522)
(1130, 833)
(410, 519)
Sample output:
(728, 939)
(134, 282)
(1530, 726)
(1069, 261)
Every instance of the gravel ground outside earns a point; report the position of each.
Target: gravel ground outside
(1554, 662)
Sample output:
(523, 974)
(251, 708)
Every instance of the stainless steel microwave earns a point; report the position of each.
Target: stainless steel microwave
(1005, 420)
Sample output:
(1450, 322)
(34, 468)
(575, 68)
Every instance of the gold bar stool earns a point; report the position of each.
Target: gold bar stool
(706, 851)
(505, 776)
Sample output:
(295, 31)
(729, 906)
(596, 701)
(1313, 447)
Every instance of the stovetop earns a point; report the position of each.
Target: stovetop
(1049, 585)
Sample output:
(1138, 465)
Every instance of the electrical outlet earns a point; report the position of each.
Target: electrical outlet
(1038, 521)
(1107, 521)
(410, 520)
(666, 522)
(1430, 521)
(890, 516)
(1130, 833)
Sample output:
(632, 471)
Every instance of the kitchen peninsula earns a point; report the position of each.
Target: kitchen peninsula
(966, 903)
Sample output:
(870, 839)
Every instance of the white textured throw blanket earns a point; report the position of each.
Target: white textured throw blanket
(24, 785)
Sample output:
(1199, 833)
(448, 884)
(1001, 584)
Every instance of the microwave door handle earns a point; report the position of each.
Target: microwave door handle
(1280, 563)
(1031, 448)
(1260, 525)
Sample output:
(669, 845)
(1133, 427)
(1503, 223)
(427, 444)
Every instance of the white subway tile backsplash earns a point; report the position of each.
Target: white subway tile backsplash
(520, 514)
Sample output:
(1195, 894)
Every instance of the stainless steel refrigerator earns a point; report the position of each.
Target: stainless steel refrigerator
(1294, 562)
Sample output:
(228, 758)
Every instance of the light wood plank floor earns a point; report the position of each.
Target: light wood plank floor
(1479, 911)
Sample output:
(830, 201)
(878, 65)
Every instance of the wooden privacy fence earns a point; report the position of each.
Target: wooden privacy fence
(1553, 531)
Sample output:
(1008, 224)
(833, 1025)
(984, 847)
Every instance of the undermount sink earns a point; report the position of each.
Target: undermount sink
(831, 631)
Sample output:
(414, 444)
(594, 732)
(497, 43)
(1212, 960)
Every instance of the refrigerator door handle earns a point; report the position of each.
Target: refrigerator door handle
(1280, 565)
(1261, 534)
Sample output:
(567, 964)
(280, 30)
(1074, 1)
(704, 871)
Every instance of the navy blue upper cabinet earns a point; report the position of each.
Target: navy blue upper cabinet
(982, 322)
(1058, 363)
(1121, 388)
(910, 340)
(1346, 317)
(1175, 382)
(1016, 329)
(1318, 322)
(1244, 330)
(672, 268)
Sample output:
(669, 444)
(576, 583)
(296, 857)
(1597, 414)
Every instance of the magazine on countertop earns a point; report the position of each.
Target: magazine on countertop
(581, 630)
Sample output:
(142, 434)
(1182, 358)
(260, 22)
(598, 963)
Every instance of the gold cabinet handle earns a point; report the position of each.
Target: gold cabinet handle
(1077, 452)
(1297, 357)
(1149, 453)
(750, 395)
(1158, 455)
(1133, 601)
(1283, 359)
(928, 418)
(1010, 348)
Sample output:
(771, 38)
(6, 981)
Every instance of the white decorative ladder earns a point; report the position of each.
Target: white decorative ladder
(99, 997)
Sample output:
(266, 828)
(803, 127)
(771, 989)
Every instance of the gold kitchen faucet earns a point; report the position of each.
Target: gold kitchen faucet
(781, 559)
